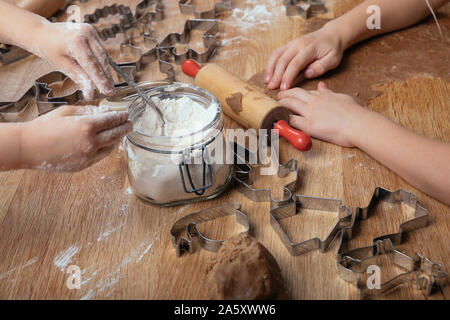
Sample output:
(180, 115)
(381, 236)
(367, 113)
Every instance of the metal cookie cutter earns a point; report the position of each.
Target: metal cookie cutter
(211, 28)
(383, 195)
(187, 7)
(141, 32)
(126, 19)
(45, 99)
(154, 8)
(415, 266)
(341, 230)
(11, 111)
(350, 262)
(245, 171)
(10, 54)
(194, 238)
(303, 8)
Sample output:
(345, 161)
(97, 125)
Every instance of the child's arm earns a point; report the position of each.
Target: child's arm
(322, 50)
(339, 119)
(69, 138)
(72, 47)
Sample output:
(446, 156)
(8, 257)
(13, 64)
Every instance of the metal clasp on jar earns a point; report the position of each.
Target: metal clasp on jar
(184, 167)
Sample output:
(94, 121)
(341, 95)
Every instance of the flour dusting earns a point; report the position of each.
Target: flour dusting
(63, 259)
(28, 263)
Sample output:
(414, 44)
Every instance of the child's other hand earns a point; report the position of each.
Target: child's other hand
(72, 138)
(318, 52)
(76, 50)
(324, 114)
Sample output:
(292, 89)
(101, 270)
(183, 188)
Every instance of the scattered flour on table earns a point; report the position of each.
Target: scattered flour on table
(63, 259)
(28, 263)
(254, 15)
(182, 116)
(107, 233)
(129, 191)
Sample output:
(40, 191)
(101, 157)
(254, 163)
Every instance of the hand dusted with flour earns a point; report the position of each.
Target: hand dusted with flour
(69, 138)
(73, 48)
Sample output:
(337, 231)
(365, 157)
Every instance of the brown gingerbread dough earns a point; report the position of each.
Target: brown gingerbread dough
(235, 102)
(245, 270)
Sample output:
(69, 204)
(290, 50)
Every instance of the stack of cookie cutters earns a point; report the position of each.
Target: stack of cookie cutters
(133, 27)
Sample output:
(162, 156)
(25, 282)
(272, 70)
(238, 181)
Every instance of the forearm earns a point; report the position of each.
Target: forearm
(10, 146)
(352, 28)
(422, 162)
(18, 26)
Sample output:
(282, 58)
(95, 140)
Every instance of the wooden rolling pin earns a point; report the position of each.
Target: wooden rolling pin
(43, 8)
(245, 103)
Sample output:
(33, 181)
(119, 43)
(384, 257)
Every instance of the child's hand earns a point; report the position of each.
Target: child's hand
(72, 138)
(76, 50)
(318, 52)
(324, 114)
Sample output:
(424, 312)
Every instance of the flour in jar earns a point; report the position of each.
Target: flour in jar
(155, 176)
(182, 116)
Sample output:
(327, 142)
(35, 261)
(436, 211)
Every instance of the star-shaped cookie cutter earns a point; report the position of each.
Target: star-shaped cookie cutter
(303, 8)
(436, 278)
(187, 7)
(194, 238)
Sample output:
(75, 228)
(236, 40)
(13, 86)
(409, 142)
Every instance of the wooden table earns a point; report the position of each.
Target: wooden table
(50, 220)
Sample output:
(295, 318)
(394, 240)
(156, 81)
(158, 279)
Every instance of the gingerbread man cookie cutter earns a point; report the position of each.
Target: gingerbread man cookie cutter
(194, 238)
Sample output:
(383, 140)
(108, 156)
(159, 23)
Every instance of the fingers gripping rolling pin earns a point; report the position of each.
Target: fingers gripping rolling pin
(244, 103)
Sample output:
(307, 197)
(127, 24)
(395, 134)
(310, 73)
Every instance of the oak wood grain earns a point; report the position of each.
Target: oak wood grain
(50, 220)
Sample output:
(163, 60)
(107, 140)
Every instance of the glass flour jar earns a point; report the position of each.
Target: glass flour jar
(171, 170)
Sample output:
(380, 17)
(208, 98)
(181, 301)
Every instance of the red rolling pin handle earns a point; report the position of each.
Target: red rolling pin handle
(299, 140)
(190, 68)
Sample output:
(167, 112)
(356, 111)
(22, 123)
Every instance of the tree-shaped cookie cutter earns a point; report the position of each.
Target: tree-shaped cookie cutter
(416, 266)
(340, 230)
(246, 164)
(194, 239)
(187, 7)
